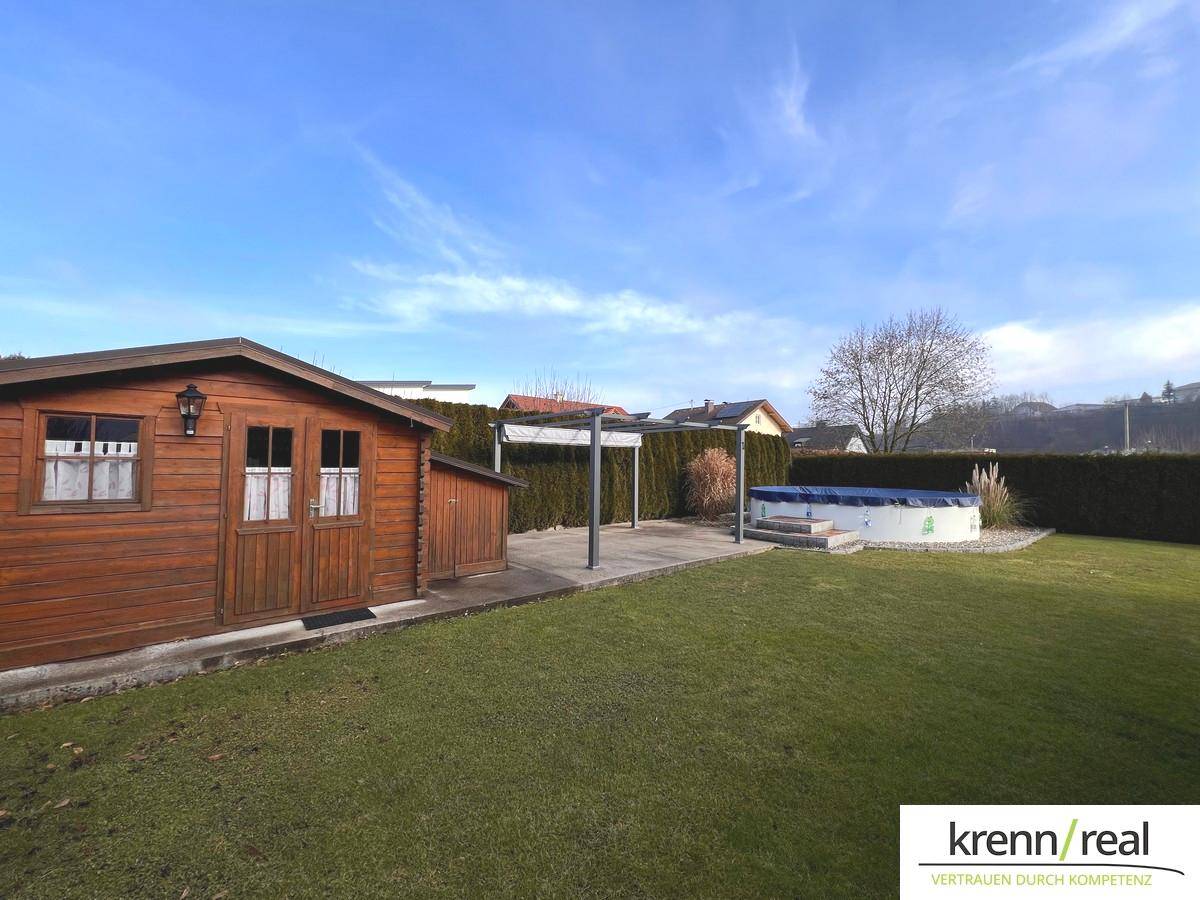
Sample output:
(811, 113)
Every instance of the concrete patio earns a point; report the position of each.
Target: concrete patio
(542, 564)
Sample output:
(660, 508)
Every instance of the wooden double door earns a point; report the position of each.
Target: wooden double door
(299, 494)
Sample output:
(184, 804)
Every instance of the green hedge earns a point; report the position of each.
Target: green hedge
(1150, 496)
(557, 476)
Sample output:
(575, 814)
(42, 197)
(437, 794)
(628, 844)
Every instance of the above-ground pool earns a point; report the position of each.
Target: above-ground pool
(877, 514)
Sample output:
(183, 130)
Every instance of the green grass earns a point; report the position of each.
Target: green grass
(744, 729)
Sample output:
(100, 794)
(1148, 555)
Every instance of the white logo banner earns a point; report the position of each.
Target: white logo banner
(998, 852)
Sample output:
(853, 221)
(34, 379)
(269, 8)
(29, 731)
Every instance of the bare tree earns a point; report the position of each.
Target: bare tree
(893, 379)
(14, 356)
(1001, 404)
(548, 383)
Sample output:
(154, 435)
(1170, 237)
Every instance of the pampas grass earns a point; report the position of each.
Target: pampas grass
(1000, 506)
(711, 481)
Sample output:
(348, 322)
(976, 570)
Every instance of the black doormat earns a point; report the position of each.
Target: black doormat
(339, 617)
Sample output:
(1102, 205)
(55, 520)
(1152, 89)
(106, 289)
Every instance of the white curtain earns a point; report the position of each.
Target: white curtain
(337, 501)
(67, 475)
(254, 507)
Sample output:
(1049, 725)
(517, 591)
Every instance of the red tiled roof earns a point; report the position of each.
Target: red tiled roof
(525, 403)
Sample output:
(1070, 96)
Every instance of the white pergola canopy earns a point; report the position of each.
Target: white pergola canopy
(596, 428)
(565, 437)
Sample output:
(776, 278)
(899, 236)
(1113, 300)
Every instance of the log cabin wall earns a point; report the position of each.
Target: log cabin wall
(78, 583)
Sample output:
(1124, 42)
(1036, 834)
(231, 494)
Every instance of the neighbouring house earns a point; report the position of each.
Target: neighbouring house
(837, 438)
(527, 404)
(1033, 408)
(758, 415)
(157, 493)
(1187, 393)
(423, 390)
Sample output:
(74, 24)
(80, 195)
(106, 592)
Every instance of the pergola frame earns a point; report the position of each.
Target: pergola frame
(597, 420)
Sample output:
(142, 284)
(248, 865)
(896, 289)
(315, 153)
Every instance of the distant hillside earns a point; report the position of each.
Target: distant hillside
(1171, 427)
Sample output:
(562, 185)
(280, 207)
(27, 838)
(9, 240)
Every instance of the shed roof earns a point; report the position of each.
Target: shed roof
(43, 368)
(455, 463)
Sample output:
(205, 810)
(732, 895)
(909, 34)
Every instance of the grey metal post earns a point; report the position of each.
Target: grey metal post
(496, 446)
(633, 518)
(1126, 427)
(594, 494)
(739, 515)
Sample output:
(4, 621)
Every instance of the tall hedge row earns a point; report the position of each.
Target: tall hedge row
(1150, 496)
(557, 476)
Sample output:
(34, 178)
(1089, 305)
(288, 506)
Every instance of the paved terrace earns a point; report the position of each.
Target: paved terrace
(542, 564)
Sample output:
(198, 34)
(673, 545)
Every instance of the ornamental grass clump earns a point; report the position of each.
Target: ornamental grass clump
(999, 507)
(711, 481)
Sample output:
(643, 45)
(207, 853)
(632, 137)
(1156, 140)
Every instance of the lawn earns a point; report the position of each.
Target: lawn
(744, 729)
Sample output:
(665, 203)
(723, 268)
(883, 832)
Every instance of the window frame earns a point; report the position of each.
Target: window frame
(34, 469)
(267, 521)
(341, 469)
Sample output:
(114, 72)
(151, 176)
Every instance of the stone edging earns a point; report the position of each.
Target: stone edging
(1032, 536)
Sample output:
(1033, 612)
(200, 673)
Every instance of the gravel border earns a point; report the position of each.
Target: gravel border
(991, 540)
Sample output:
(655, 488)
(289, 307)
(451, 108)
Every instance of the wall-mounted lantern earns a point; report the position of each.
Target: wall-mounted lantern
(191, 404)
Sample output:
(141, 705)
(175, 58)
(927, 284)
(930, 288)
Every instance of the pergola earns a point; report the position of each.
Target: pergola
(596, 428)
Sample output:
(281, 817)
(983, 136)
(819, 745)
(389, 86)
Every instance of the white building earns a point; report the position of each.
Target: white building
(423, 390)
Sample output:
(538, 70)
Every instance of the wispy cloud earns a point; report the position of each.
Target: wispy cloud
(431, 300)
(973, 194)
(790, 95)
(1125, 25)
(479, 283)
(430, 229)
(776, 152)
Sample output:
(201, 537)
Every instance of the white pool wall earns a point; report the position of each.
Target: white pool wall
(911, 524)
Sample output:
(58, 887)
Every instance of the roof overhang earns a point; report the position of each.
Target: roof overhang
(463, 466)
(45, 368)
(774, 414)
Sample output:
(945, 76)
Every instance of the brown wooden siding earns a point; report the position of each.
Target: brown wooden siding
(394, 551)
(467, 523)
(82, 583)
(482, 525)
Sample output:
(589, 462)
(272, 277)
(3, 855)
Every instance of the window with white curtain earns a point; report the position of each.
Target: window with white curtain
(89, 458)
(268, 491)
(339, 472)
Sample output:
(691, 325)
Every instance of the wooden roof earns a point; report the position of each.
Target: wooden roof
(42, 368)
(461, 464)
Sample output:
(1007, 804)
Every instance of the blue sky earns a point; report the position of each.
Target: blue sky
(679, 201)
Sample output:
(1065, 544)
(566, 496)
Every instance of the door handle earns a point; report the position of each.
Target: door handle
(313, 506)
(452, 500)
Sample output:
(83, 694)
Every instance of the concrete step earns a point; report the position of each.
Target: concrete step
(796, 524)
(825, 540)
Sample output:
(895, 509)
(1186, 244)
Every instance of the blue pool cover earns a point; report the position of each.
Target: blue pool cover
(862, 496)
